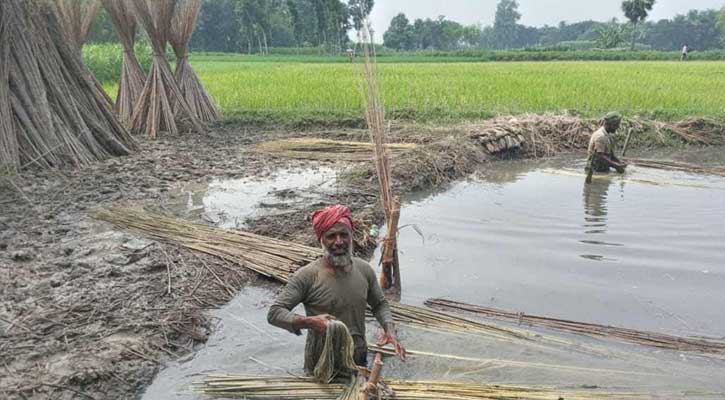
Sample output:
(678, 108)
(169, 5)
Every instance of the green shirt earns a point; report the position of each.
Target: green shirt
(342, 294)
(601, 142)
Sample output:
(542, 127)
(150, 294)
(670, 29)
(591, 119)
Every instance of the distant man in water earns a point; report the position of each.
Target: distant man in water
(336, 286)
(601, 148)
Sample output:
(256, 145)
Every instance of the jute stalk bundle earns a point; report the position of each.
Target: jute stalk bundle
(326, 149)
(677, 166)
(375, 117)
(192, 89)
(700, 345)
(58, 116)
(154, 110)
(290, 388)
(9, 148)
(77, 17)
(133, 77)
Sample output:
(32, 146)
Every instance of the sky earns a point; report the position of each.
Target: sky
(534, 12)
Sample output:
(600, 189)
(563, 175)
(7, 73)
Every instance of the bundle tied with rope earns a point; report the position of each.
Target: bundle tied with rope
(133, 77)
(192, 90)
(161, 102)
(76, 20)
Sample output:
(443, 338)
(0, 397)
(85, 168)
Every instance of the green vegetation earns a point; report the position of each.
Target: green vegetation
(313, 93)
(105, 60)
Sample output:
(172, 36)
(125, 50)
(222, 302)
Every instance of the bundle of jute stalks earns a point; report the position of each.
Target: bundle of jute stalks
(327, 149)
(51, 114)
(654, 339)
(291, 388)
(133, 77)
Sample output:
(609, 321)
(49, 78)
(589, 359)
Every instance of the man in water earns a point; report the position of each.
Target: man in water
(336, 286)
(601, 148)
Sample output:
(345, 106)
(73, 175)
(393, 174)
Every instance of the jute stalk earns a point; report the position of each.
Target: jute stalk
(375, 117)
(182, 27)
(59, 118)
(670, 342)
(133, 77)
(154, 110)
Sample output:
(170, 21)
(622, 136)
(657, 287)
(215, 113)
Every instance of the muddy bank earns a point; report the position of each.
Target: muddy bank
(93, 313)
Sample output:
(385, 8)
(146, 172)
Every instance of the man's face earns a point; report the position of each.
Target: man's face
(337, 243)
(611, 127)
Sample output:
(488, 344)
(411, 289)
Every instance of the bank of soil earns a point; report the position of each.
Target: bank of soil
(91, 312)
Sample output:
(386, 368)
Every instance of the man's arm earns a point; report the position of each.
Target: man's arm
(614, 161)
(280, 313)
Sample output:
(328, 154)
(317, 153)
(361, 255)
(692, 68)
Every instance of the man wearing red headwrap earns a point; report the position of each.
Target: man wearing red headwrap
(336, 286)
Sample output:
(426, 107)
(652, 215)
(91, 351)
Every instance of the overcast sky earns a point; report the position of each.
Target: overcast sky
(535, 12)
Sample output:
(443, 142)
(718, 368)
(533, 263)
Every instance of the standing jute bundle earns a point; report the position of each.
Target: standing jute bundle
(154, 110)
(76, 18)
(133, 77)
(336, 360)
(182, 27)
(51, 114)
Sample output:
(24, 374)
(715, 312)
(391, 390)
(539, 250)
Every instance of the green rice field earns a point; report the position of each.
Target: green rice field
(293, 90)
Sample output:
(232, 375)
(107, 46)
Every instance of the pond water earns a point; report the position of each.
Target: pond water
(230, 203)
(645, 251)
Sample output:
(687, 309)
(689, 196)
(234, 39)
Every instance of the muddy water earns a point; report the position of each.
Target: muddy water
(230, 203)
(644, 251)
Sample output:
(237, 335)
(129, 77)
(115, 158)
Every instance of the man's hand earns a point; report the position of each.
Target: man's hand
(318, 324)
(389, 338)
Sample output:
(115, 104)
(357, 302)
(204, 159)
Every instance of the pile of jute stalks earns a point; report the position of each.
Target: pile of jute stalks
(291, 388)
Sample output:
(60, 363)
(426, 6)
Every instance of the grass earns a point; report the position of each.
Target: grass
(290, 91)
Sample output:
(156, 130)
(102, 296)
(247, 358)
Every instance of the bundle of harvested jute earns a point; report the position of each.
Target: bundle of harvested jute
(154, 110)
(336, 360)
(182, 27)
(52, 114)
(133, 76)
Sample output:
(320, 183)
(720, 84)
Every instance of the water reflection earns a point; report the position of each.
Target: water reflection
(595, 206)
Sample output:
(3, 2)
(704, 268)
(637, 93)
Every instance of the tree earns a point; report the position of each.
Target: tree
(399, 35)
(636, 11)
(359, 11)
(505, 26)
(611, 36)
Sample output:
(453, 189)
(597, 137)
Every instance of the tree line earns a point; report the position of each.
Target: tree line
(701, 30)
(255, 26)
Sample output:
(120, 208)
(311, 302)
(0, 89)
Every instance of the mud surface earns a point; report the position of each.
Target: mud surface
(90, 312)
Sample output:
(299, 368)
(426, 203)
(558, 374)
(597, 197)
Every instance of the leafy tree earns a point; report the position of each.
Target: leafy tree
(359, 11)
(400, 34)
(611, 36)
(636, 12)
(505, 26)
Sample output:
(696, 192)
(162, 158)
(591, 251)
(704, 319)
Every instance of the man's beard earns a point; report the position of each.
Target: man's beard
(339, 260)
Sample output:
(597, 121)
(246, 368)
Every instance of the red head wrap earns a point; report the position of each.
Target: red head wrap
(323, 220)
